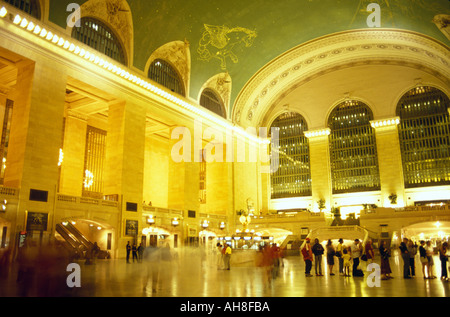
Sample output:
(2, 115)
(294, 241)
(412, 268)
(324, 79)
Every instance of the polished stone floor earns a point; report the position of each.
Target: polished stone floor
(194, 276)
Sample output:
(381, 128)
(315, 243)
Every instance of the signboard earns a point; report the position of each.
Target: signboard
(131, 228)
(37, 221)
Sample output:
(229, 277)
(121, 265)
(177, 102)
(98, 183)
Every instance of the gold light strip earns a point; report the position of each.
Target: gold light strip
(117, 70)
(315, 133)
(385, 122)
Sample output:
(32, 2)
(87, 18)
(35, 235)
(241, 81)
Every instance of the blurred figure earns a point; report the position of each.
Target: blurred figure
(151, 259)
(26, 260)
(219, 256)
(140, 251)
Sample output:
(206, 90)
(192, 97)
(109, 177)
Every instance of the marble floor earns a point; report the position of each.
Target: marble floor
(195, 276)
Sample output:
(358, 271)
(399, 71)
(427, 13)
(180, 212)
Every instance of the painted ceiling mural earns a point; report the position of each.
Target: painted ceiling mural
(240, 37)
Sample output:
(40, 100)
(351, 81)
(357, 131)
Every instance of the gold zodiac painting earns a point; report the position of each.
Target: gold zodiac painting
(221, 42)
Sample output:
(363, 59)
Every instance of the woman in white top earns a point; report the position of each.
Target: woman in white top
(430, 253)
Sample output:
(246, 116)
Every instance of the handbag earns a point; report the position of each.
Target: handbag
(424, 260)
(364, 257)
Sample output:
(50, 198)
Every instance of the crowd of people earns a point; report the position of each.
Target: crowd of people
(349, 258)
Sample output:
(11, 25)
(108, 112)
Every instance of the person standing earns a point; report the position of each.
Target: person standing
(385, 266)
(128, 248)
(140, 251)
(430, 252)
(134, 252)
(227, 258)
(347, 261)
(444, 258)
(405, 257)
(318, 251)
(330, 256)
(307, 257)
(339, 253)
(220, 256)
(356, 250)
(368, 250)
(412, 250)
(424, 260)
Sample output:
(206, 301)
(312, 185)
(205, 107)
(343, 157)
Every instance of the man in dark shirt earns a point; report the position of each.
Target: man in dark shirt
(405, 256)
(317, 250)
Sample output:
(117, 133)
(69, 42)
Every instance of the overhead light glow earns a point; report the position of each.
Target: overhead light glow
(3, 12)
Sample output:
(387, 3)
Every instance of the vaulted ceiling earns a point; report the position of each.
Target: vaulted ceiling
(241, 37)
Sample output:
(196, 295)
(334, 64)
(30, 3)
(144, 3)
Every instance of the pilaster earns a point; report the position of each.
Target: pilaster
(389, 160)
(319, 151)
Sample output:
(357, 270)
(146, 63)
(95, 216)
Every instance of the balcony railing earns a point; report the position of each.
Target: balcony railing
(86, 201)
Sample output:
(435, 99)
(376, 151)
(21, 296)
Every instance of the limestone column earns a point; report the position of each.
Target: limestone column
(389, 160)
(35, 139)
(72, 168)
(124, 166)
(319, 151)
(184, 177)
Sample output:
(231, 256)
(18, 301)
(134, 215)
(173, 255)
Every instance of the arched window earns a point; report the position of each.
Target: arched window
(30, 7)
(211, 101)
(293, 176)
(100, 37)
(425, 137)
(164, 74)
(353, 154)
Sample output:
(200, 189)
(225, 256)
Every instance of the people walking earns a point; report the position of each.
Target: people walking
(330, 256)
(307, 257)
(405, 257)
(318, 251)
(219, 255)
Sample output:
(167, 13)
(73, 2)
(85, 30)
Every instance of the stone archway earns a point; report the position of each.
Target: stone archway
(429, 230)
(335, 52)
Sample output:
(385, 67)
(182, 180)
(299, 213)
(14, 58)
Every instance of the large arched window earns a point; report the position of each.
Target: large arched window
(353, 154)
(211, 101)
(100, 37)
(293, 176)
(30, 7)
(164, 74)
(425, 137)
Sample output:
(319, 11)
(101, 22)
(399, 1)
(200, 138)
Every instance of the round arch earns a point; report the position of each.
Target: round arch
(116, 15)
(335, 52)
(178, 55)
(341, 101)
